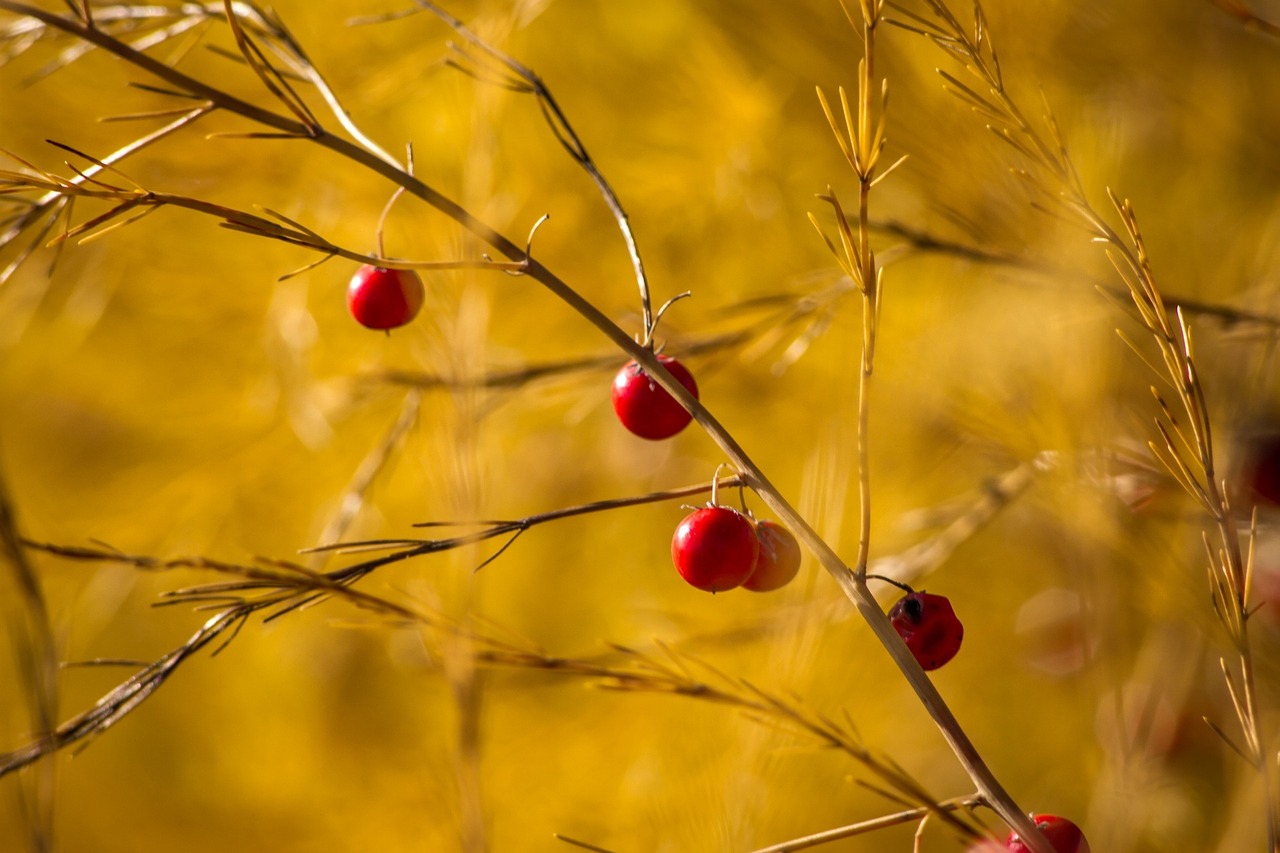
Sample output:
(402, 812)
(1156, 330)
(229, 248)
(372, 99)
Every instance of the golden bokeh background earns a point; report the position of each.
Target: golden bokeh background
(162, 392)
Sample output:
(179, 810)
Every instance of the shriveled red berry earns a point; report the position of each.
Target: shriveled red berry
(715, 548)
(645, 407)
(779, 559)
(928, 626)
(381, 298)
(1261, 470)
(1064, 835)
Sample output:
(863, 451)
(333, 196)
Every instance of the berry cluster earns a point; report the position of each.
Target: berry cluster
(1063, 835)
(717, 548)
(1260, 472)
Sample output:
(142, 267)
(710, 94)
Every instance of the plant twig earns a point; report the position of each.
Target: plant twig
(55, 200)
(273, 588)
(817, 839)
(683, 675)
(527, 81)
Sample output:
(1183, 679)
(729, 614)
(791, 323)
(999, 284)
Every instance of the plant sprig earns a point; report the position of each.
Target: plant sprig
(861, 137)
(272, 588)
(130, 203)
(491, 64)
(1184, 446)
(299, 123)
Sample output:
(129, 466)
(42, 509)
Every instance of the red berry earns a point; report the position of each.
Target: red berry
(380, 298)
(645, 407)
(715, 548)
(779, 558)
(928, 626)
(1064, 835)
(1262, 470)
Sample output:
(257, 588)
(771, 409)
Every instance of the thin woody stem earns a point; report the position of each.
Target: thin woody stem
(867, 144)
(868, 276)
(284, 587)
(569, 139)
(864, 827)
(41, 204)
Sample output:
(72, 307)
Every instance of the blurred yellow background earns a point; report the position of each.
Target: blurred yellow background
(163, 393)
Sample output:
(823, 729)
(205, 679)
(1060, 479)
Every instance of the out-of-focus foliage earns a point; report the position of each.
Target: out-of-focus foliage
(163, 393)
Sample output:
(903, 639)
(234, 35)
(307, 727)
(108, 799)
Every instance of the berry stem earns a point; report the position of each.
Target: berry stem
(715, 486)
(899, 584)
